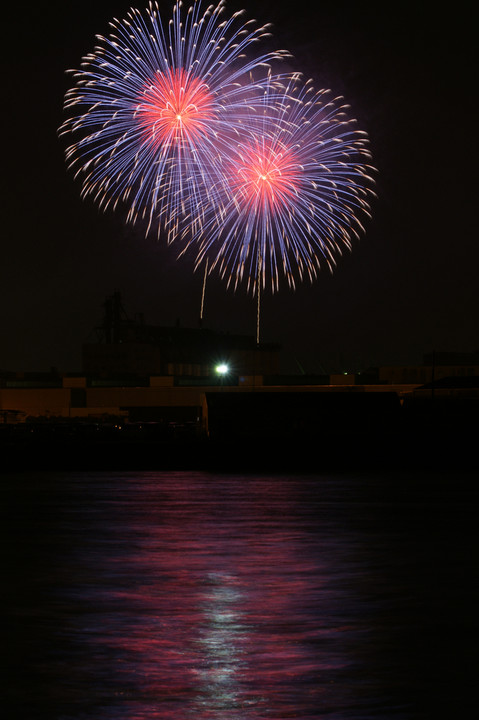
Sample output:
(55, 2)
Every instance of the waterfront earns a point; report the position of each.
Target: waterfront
(175, 595)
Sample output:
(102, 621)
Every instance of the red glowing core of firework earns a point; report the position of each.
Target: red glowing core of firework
(267, 176)
(175, 108)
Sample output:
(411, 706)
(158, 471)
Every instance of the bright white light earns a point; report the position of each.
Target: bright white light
(222, 369)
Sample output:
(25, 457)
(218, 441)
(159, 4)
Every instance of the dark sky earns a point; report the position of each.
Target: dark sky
(409, 286)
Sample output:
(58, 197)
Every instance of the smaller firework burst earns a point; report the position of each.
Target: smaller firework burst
(298, 189)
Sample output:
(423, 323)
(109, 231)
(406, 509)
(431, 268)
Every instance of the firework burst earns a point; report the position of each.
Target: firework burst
(298, 189)
(152, 109)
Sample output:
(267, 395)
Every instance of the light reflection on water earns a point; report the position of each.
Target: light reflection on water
(158, 596)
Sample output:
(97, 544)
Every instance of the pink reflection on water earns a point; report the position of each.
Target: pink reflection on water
(219, 605)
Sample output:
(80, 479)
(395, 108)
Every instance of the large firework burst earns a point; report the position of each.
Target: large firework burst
(298, 188)
(153, 109)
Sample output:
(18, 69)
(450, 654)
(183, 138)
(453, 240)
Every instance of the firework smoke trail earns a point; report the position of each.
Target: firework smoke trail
(152, 109)
(297, 191)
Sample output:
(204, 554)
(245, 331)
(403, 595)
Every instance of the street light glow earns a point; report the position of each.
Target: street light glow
(222, 369)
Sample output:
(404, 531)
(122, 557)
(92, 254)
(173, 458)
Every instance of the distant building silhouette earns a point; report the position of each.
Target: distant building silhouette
(138, 373)
(124, 346)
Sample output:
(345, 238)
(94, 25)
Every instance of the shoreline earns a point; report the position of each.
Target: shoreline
(72, 447)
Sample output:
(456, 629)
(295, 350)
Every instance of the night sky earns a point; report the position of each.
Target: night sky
(408, 287)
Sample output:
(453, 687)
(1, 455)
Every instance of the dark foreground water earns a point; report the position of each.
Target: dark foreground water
(148, 596)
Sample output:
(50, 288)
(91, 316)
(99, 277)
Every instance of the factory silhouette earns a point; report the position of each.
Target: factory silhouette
(179, 396)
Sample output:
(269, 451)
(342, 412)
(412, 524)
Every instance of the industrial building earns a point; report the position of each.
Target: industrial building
(122, 346)
(171, 388)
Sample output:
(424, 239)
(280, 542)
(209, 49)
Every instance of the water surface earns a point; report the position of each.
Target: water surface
(168, 596)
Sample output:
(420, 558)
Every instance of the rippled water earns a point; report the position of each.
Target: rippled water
(148, 596)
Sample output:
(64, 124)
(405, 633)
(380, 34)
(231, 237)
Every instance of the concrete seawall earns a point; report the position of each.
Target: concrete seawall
(255, 435)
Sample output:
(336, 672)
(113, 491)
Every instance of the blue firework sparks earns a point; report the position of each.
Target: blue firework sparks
(264, 178)
(153, 108)
(298, 188)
